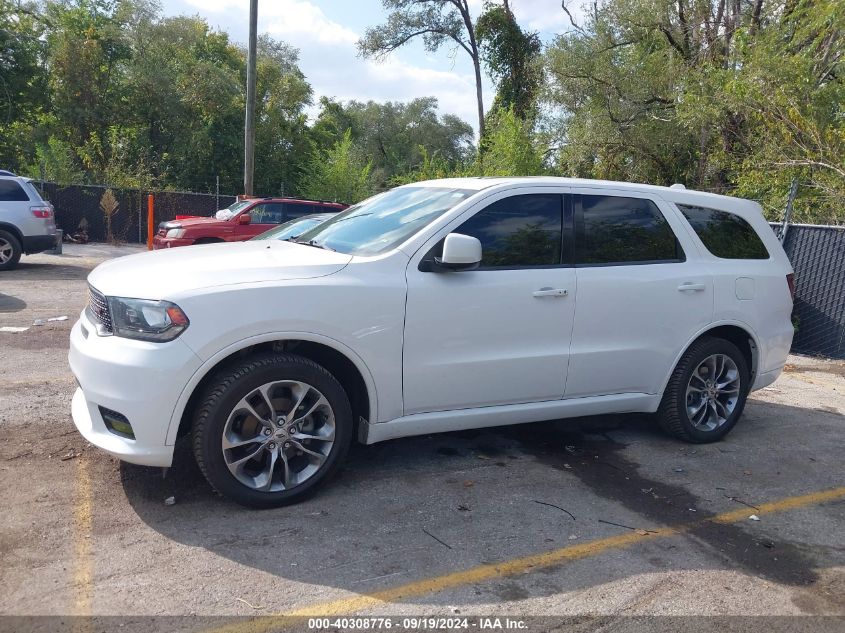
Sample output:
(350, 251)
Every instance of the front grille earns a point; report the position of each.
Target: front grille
(98, 309)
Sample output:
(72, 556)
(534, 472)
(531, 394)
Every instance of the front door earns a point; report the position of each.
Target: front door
(263, 217)
(498, 334)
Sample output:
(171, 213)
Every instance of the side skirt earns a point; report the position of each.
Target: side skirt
(481, 417)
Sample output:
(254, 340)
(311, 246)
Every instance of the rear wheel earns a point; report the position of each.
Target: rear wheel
(706, 393)
(271, 429)
(10, 250)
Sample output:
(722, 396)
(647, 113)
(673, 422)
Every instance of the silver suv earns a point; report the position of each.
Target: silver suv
(27, 224)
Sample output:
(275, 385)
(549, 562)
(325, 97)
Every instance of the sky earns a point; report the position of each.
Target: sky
(325, 32)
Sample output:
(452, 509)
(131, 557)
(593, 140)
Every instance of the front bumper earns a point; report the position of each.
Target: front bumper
(170, 242)
(140, 380)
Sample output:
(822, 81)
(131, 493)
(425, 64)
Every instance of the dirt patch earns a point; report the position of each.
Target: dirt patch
(833, 369)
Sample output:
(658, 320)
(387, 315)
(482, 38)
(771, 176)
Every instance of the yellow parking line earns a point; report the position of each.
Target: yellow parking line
(83, 572)
(354, 604)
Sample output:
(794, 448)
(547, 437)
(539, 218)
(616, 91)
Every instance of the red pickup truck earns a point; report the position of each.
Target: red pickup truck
(239, 222)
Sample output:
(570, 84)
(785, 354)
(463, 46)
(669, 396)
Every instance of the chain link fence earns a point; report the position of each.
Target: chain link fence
(817, 254)
(80, 208)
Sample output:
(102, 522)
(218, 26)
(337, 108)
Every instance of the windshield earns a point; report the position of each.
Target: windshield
(237, 206)
(384, 221)
(232, 210)
(291, 228)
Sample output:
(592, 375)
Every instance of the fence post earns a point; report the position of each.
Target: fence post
(150, 221)
(787, 213)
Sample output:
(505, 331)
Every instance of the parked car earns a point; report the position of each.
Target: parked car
(243, 220)
(294, 228)
(437, 306)
(27, 222)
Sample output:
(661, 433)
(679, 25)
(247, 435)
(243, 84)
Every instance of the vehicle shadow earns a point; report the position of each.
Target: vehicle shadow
(420, 507)
(9, 304)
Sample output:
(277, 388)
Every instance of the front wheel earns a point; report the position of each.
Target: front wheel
(706, 393)
(270, 429)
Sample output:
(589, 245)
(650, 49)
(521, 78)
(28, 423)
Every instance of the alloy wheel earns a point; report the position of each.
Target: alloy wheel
(712, 392)
(6, 251)
(278, 435)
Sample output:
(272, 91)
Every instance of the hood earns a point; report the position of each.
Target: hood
(198, 221)
(169, 273)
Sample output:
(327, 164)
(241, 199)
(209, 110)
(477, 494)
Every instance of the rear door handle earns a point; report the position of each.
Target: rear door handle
(550, 292)
(691, 286)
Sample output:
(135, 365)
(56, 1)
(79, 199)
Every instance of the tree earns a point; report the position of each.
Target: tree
(281, 135)
(723, 96)
(511, 148)
(23, 80)
(339, 174)
(511, 56)
(437, 22)
(395, 136)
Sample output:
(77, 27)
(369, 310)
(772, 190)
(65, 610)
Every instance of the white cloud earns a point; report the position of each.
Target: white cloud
(547, 16)
(293, 20)
(330, 61)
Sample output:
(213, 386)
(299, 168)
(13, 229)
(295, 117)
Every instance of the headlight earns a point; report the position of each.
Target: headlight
(175, 232)
(147, 320)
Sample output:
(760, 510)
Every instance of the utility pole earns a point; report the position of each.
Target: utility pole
(249, 126)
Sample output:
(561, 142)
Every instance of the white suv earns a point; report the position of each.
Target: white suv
(27, 224)
(437, 306)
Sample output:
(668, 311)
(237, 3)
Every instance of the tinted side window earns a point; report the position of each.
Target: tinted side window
(268, 213)
(724, 234)
(617, 230)
(11, 191)
(519, 231)
(294, 210)
(34, 195)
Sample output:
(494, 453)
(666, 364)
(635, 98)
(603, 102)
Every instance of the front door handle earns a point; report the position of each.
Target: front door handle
(691, 286)
(550, 292)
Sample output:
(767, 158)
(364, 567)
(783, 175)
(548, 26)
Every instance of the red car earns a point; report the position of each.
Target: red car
(239, 222)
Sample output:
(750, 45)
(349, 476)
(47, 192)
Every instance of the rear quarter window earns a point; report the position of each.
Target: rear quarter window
(11, 191)
(32, 191)
(725, 234)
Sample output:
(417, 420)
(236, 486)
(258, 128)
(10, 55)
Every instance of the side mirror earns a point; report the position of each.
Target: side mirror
(244, 218)
(460, 252)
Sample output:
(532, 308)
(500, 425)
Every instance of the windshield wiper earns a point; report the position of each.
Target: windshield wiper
(315, 244)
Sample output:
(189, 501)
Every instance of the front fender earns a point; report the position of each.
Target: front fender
(214, 360)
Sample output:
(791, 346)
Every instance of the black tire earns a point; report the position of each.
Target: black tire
(672, 415)
(10, 241)
(208, 240)
(235, 382)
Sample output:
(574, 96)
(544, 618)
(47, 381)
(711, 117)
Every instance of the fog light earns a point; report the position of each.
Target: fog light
(117, 423)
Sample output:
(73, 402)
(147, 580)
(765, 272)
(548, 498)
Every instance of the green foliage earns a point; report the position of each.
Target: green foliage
(730, 97)
(511, 56)
(55, 162)
(339, 174)
(22, 79)
(510, 148)
(396, 137)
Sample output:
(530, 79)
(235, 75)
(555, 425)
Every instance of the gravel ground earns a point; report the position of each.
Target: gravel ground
(82, 534)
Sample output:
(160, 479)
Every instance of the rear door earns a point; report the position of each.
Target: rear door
(295, 210)
(643, 291)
